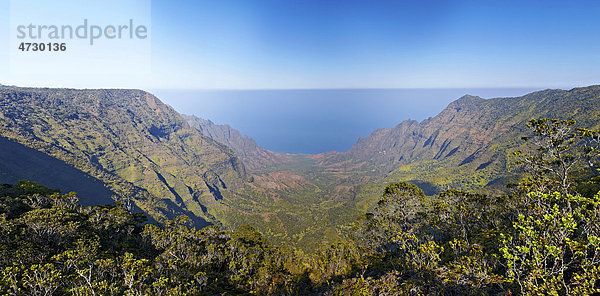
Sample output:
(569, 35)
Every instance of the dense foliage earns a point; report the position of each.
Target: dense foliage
(543, 238)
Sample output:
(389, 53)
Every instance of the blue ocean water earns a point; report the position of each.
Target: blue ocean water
(315, 121)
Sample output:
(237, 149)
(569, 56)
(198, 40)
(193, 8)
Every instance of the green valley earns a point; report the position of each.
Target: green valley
(170, 164)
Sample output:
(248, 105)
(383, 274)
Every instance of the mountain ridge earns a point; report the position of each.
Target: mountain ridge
(469, 126)
(254, 157)
(129, 140)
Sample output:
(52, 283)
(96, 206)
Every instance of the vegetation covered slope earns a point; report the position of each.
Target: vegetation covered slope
(541, 239)
(471, 137)
(141, 148)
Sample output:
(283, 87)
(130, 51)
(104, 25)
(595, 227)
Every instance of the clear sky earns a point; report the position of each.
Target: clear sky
(277, 44)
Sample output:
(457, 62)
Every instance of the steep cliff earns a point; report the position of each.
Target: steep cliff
(129, 140)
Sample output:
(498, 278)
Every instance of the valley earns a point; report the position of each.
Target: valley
(171, 164)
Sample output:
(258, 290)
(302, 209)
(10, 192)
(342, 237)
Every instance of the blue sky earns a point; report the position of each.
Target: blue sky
(275, 44)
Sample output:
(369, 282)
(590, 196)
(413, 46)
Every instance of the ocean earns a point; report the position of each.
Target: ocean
(315, 121)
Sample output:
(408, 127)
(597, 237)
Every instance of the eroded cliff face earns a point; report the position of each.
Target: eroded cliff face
(461, 127)
(470, 136)
(129, 140)
(255, 158)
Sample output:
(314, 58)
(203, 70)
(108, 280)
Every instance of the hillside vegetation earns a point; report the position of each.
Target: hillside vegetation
(140, 148)
(541, 239)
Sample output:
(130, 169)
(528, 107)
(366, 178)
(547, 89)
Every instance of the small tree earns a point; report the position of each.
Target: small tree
(552, 245)
(559, 149)
(396, 212)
